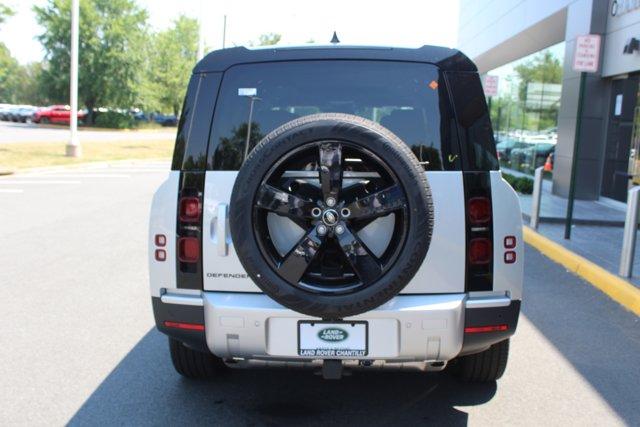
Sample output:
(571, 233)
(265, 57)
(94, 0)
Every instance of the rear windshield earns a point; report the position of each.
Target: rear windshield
(410, 99)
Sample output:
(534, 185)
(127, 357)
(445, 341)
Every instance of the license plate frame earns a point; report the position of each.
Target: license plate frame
(358, 330)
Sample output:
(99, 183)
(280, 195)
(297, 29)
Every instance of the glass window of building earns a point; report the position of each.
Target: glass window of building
(524, 113)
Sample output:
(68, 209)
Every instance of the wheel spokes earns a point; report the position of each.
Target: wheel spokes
(363, 262)
(285, 204)
(331, 170)
(296, 262)
(378, 204)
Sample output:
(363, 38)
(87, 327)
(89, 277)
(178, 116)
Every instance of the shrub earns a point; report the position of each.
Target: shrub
(114, 120)
(522, 184)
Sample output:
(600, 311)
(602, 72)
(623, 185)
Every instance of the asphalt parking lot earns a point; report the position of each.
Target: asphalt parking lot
(11, 132)
(78, 344)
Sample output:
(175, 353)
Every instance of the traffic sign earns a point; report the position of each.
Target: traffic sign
(587, 53)
(490, 85)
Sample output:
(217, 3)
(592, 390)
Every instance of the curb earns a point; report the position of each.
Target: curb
(618, 289)
(576, 221)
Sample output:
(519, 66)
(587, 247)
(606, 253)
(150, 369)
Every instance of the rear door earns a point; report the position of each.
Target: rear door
(410, 99)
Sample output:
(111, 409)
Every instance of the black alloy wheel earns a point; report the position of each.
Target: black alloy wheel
(330, 258)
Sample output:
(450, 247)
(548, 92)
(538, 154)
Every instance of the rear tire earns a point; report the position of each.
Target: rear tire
(486, 366)
(194, 364)
(45, 120)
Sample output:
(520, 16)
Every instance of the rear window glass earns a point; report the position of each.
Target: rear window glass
(410, 99)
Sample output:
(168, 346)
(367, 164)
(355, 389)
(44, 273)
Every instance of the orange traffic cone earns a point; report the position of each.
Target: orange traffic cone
(548, 166)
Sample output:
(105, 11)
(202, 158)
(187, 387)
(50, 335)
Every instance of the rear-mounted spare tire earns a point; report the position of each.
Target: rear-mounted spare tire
(331, 215)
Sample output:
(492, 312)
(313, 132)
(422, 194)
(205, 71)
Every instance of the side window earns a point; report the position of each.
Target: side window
(190, 152)
(410, 99)
(475, 132)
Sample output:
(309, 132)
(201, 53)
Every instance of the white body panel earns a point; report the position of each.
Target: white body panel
(443, 269)
(507, 221)
(162, 274)
(408, 327)
(217, 190)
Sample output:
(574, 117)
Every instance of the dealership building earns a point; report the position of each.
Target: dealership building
(528, 46)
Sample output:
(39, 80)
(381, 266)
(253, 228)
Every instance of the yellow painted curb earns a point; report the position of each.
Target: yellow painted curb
(617, 288)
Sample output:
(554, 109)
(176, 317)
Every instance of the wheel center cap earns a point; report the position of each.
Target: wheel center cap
(330, 217)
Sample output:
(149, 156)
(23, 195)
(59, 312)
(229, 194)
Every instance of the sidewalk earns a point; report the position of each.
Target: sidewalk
(596, 233)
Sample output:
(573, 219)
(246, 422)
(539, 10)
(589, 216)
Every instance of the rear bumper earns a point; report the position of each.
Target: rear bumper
(407, 328)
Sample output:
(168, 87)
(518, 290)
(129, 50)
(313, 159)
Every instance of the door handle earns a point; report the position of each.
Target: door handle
(221, 229)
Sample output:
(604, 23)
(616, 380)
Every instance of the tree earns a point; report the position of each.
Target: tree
(5, 12)
(543, 68)
(29, 84)
(9, 69)
(174, 55)
(111, 55)
(269, 39)
(8, 64)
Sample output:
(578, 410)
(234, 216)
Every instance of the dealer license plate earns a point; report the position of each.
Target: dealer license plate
(332, 339)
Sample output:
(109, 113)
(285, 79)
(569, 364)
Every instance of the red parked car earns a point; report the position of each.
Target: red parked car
(55, 114)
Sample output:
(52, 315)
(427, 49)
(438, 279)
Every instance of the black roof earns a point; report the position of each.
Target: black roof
(445, 58)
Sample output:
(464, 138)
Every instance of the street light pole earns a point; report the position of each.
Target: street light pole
(73, 148)
(200, 32)
(224, 32)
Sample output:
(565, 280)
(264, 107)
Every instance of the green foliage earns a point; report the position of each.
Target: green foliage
(8, 71)
(521, 184)
(114, 120)
(5, 12)
(173, 54)
(111, 56)
(269, 39)
(543, 68)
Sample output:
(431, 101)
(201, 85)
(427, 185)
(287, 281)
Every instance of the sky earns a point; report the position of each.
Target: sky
(389, 23)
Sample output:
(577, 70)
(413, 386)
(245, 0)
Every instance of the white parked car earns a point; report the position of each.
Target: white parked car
(361, 218)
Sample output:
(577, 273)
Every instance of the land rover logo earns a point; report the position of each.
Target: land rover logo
(332, 334)
(330, 217)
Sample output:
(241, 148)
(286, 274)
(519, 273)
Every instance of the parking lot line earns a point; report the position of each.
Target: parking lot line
(37, 182)
(11, 190)
(84, 175)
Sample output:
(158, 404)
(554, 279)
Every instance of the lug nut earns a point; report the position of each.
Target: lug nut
(331, 202)
(339, 229)
(316, 212)
(322, 229)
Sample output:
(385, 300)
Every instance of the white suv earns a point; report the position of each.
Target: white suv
(336, 206)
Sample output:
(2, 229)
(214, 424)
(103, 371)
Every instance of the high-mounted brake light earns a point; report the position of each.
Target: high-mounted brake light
(186, 326)
(479, 329)
(189, 209)
(480, 251)
(479, 210)
(188, 249)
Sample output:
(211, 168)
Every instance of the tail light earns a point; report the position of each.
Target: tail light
(480, 251)
(190, 209)
(189, 249)
(479, 210)
(479, 329)
(185, 326)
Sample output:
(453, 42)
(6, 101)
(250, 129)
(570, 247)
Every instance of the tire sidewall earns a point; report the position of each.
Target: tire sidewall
(349, 129)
